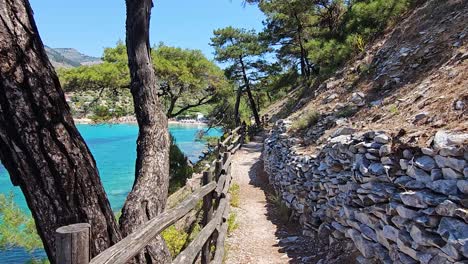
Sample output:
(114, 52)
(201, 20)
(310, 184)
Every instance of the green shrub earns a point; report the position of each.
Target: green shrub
(175, 239)
(17, 229)
(232, 223)
(306, 120)
(393, 109)
(234, 190)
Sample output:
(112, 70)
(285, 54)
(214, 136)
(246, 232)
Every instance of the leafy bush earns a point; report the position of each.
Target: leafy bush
(308, 119)
(175, 239)
(17, 229)
(232, 223)
(234, 190)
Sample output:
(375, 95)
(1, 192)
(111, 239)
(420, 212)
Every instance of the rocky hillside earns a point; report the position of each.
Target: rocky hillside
(68, 57)
(411, 82)
(377, 155)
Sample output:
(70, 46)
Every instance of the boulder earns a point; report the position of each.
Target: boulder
(444, 139)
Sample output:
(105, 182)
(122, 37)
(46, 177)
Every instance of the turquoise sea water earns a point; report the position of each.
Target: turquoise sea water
(114, 148)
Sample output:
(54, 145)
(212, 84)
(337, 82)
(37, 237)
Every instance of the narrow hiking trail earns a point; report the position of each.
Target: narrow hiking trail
(261, 237)
(254, 241)
(264, 234)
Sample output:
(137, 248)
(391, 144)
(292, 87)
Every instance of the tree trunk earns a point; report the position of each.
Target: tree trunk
(149, 193)
(305, 71)
(39, 143)
(236, 107)
(253, 106)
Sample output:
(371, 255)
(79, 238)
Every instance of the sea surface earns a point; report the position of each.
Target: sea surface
(114, 148)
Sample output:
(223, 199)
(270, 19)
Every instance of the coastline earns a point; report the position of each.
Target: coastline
(132, 121)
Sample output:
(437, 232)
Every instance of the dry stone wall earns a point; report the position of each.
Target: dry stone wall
(396, 206)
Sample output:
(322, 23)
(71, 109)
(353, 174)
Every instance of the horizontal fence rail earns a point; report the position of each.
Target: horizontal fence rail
(72, 242)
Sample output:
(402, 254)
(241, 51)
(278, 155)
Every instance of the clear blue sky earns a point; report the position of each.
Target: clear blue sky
(91, 25)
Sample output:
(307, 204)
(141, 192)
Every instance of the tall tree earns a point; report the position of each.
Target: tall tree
(287, 27)
(39, 143)
(149, 193)
(243, 50)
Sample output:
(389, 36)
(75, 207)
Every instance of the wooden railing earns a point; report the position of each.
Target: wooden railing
(72, 242)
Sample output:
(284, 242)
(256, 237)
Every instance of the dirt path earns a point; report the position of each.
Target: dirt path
(254, 241)
(264, 234)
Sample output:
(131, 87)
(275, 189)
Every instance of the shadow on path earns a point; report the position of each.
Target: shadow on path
(297, 247)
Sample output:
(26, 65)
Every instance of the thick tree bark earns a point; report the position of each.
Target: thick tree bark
(148, 196)
(39, 143)
(253, 106)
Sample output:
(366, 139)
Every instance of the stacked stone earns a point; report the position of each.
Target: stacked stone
(403, 207)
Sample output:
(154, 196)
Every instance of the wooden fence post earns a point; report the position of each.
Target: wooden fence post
(72, 244)
(207, 216)
(218, 168)
(226, 157)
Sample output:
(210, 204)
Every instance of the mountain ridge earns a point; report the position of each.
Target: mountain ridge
(69, 57)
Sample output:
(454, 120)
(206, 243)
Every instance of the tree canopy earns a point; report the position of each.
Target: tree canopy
(186, 78)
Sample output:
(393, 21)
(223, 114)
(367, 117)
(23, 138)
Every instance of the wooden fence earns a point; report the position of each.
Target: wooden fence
(72, 242)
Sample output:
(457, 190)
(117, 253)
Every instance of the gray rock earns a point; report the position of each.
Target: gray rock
(428, 151)
(451, 151)
(386, 161)
(425, 162)
(343, 131)
(446, 208)
(404, 164)
(385, 150)
(424, 238)
(406, 212)
(382, 139)
(420, 116)
(420, 199)
(413, 199)
(463, 186)
(364, 246)
(451, 251)
(443, 139)
(450, 162)
(418, 174)
(453, 231)
(451, 174)
(376, 168)
(358, 99)
(447, 187)
(407, 154)
(436, 174)
(390, 232)
(368, 232)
